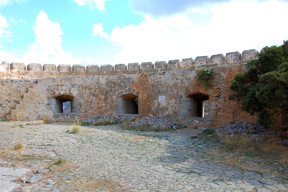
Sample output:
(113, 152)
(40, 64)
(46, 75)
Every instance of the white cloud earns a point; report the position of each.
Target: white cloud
(3, 25)
(47, 46)
(17, 21)
(94, 4)
(99, 31)
(167, 7)
(3, 35)
(217, 28)
(4, 3)
(7, 57)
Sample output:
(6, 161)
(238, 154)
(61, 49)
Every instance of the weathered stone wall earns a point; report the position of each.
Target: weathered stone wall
(34, 91)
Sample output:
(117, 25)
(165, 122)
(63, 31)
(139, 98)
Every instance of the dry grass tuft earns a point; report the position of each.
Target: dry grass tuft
(45, 119)
(89, 131)
(284, 158)
(60, 162)
(75, 128)
(266, 147)
(237, 143)
(139, 137)
(91, 184)
(61, 165)
(18, 146)
(125, 124)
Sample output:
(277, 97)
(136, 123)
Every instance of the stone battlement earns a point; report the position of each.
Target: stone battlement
(201, 61)
(171, 89)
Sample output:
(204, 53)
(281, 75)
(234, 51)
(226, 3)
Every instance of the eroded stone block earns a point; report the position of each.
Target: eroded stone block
(160, 65)
(78, 68)
(233, 57)
(202, 60)
(64, 68)
(34, 67)
(92, 68)
(49, 67)
(186, 63)
(120, 67)
(133, 67)
(174, 64)
(17, 67)
(107, 68)
(249, 54)
(217, 59)
(147, 66)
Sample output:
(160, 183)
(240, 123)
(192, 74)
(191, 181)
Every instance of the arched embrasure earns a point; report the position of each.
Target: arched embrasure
(63, 104)
(198, 104)
(127, 104)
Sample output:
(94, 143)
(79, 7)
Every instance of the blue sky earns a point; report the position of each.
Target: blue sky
(124, 31)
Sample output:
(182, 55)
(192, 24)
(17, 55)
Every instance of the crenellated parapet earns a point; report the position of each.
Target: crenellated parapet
(162, 88)
(198, 62)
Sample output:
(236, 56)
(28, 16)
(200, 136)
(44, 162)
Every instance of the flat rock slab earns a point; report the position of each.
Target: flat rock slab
(8, 175)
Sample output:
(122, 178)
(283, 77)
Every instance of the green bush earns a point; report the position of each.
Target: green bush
(205, 76)
(263, 88)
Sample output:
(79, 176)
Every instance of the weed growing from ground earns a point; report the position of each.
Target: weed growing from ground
(45, 119)
(236, 150)
(208, 136)
(208, 132)
(143, 127)
(18, 146)
(60, 162)
(104, 123)
(265, 147)
(75, 128)
(237, 143)
(284, 158)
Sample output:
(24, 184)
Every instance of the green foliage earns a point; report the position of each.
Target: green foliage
(208, 132)
(101, 123)
(205, 76)
(263, 88)
(144, 127)
(60, 162)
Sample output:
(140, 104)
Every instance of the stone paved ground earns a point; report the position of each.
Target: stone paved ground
(108, 158)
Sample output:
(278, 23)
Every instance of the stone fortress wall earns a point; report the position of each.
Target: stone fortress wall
(69, 93)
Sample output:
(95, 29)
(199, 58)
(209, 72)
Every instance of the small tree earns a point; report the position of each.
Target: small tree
(263, 88)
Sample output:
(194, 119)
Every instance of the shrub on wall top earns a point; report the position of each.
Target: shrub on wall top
(205, 76)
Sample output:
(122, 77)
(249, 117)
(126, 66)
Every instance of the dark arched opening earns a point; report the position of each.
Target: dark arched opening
(63, 104)
(127, 104)
(199, 105)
